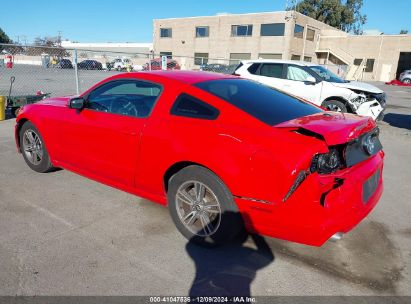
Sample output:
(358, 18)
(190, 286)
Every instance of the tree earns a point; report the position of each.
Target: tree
(47, 45)
(4, 38)
(343, 15)
(403, 32)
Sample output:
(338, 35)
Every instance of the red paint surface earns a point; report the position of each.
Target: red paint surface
(253, 159)
(396, 82)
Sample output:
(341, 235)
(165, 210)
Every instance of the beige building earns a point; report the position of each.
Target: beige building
(369, 57)
(227, 38)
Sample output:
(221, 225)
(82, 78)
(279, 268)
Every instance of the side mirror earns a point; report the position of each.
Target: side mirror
(310, 80)
(77, 103)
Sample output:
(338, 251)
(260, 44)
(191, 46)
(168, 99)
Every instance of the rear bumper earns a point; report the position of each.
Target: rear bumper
(318, 209)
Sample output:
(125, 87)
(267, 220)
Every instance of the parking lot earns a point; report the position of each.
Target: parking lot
(62, 234)
(29, 79)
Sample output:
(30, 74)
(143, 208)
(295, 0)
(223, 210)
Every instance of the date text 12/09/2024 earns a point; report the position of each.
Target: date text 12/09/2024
(205, 299)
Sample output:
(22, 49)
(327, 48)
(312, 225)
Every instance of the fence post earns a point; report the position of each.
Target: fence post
(150, 57)
(76, 72)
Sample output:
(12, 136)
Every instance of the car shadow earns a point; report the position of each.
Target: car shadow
(228, 270)
(398, 120)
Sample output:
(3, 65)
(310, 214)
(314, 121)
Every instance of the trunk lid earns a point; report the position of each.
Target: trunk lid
(335, 128)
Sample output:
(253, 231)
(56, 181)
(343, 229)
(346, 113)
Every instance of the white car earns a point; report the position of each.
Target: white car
(316, 84)
(121, 64)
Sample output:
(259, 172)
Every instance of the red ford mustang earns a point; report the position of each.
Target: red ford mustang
(219, 150)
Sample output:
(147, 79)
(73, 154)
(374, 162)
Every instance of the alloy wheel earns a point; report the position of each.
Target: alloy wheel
(333, 107)
(33, 147)
(198, 208)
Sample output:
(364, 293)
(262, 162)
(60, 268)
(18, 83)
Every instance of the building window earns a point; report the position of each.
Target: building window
(202, 31)
(242, 30)
(296, 57)
(310, 34)
(307, 59)
(298, 31)
(235, 58)
(166, 33)
(168, 54)
(357, 61)
(272, 29)
(369, 66)
(270, 56)
(200, 58)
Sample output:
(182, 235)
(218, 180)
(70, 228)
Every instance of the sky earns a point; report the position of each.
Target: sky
(131, 21)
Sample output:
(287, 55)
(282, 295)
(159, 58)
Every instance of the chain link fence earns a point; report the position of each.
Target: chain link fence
(61, 71)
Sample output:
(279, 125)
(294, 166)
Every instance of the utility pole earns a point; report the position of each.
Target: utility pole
(24, 38)
(292, 5)
(59, 38)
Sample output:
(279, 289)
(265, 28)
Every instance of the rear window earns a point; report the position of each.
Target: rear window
(264, 103)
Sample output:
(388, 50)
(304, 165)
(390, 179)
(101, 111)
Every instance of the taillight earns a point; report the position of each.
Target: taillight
(326, 163)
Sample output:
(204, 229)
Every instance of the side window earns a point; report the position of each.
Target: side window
(272, 70)
(296, 73)
(189, 106)
(125, 97)
(253, 68)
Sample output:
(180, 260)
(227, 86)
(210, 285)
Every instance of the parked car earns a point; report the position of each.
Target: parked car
(214, 67)
(218, 68)
(405, 77)
(156, 64)
(219, 150)
(64, 64)
(318, 85)
(120, 64)
(90, 65)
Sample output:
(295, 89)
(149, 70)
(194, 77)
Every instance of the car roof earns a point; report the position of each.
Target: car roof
(188, 77)
(300, 63)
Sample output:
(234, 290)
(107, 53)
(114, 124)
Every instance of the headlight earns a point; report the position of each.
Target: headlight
(358, 100)
(326, 163)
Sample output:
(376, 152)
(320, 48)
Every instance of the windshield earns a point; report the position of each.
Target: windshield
(326, 74)
(264, 103)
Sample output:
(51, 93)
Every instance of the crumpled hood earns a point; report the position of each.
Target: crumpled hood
(335, 128)
(360, 86)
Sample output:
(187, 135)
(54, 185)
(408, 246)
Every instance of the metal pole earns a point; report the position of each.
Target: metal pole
(304, 38)
(76, 72)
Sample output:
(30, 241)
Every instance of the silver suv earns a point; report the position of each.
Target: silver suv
(405, 77)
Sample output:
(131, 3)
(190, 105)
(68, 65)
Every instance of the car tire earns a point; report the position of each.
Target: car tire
(407, 81)
(33, 149)
(334, 105)
(214, 216)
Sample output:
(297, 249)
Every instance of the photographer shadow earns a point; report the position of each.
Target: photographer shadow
(229, 270)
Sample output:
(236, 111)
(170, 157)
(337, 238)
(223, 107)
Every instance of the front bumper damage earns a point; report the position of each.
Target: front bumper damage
(372, 109)
(369, 105)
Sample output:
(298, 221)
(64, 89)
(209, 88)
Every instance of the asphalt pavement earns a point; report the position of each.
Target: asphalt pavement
(63, 234)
